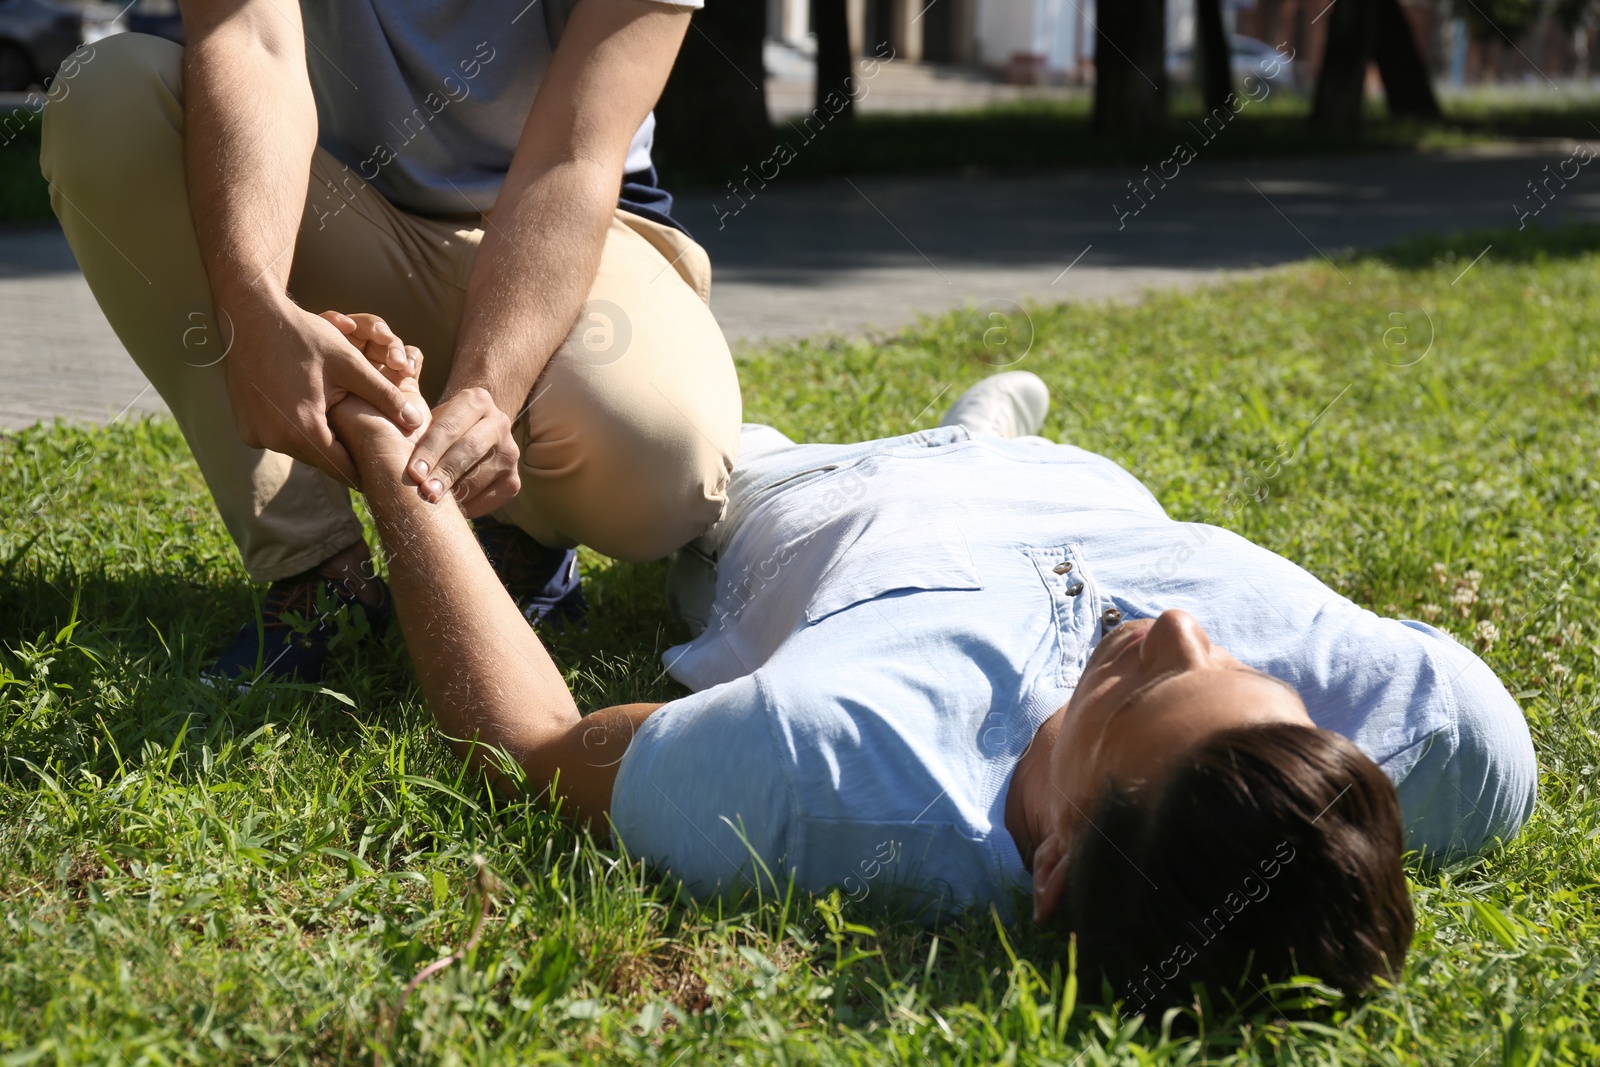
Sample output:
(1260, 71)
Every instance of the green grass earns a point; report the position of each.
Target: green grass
(24, 196)
(188, 877)
(1537, 110)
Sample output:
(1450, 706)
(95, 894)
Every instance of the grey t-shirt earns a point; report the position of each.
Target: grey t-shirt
(426, 99)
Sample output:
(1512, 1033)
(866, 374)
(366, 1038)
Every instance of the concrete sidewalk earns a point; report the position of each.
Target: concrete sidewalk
(845, 256)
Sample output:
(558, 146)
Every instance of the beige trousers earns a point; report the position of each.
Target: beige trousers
(628, 436)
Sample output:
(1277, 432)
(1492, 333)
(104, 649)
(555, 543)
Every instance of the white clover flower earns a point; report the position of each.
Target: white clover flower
(1485, 634)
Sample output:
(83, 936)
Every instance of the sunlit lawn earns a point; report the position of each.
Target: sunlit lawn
(194, 877)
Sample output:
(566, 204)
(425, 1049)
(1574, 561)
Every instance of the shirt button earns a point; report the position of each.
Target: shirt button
(1110, 617)
(1064, 567)
(1074, 589)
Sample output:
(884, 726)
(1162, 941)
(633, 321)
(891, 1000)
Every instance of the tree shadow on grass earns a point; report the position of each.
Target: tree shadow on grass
(117, 659)
(1532, 244)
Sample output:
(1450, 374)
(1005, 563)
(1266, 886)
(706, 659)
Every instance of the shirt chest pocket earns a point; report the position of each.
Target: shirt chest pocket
(893, 565)
(1074, 606)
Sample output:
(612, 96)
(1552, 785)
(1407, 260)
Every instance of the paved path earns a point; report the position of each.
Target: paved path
(846, 256)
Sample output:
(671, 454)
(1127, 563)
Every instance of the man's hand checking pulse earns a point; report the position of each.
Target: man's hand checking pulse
(468, 452)
(465, 473)
(287, 369)
(483, 239)
(378, 447)
(551, 221)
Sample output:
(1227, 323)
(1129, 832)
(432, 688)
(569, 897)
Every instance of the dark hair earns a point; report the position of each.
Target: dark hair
(1267, 852)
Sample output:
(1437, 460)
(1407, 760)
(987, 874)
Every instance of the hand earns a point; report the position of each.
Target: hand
(393, 358)
(287, 369)
(379, 448)
(468, 451)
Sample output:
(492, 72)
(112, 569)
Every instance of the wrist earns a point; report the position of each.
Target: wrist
(379, 449)
(503, 394)
(381, 463)
(396, 504)
(501, 362)
(256, 308)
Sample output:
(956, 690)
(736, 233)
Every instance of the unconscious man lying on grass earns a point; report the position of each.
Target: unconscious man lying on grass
(965, 662)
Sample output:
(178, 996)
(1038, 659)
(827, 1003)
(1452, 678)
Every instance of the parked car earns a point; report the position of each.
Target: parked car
(36, 35)
(1247, 57)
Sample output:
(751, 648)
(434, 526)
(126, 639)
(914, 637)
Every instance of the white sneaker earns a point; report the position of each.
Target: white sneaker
(1012, 404)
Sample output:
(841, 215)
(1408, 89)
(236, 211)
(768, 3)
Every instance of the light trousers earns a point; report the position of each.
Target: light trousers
(627, 438)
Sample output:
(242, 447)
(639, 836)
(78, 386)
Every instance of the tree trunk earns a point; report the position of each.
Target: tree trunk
(1212, 62)
(1130, 88)
(836, 67)
(1406, 83)
(713, 112)
(1337, 106)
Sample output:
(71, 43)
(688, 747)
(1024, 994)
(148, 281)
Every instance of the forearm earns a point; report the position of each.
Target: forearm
(250, 129)
(533, 272)
(486, 676)
(542, 246)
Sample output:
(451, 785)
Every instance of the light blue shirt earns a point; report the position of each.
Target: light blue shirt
(894, 620)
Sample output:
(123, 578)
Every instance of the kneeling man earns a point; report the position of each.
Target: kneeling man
(949, 666)
(474, 177)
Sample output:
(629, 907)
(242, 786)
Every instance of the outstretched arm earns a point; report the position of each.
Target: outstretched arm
(486, 676)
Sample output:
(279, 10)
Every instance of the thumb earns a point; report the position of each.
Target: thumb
(346, 324)
(356, 375)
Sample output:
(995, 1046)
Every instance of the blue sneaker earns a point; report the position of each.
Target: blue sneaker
(543, 581)
(301, 620)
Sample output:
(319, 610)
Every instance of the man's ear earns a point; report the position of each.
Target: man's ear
(1049, 875)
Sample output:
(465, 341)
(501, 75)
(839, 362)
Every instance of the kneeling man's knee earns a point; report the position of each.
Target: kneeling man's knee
(103, 106)
(632, 456)
(630, 496)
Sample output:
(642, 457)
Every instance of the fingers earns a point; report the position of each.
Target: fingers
(375, 340)
(490, 482)
(364, 380)
(489, 485)
(468, 431)
(413, 362)
(346, 324)
(406, 378)
(474, 448)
